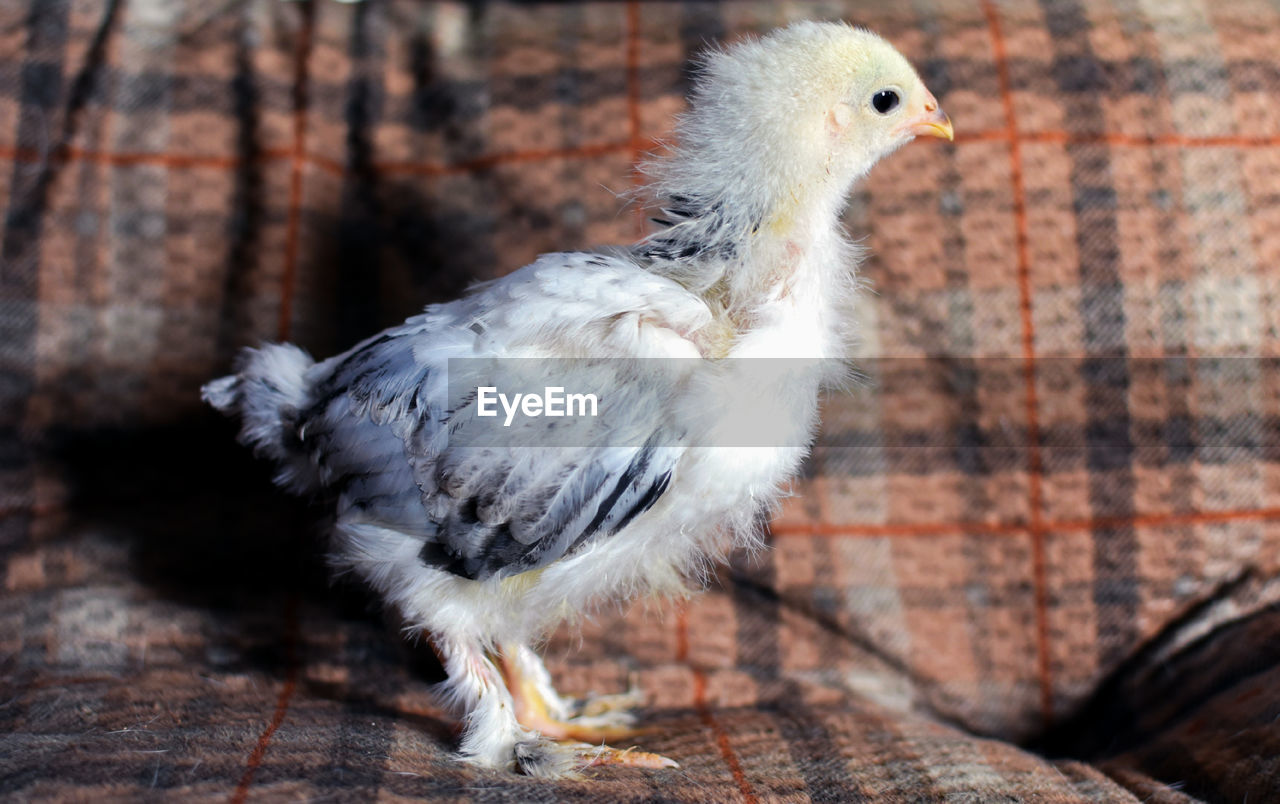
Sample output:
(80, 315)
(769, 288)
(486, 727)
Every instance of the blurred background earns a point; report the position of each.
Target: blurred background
(1052, 522)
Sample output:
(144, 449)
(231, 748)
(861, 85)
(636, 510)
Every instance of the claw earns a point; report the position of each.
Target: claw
(566, 759)
(630, 757)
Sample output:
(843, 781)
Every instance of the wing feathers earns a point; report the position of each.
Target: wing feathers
(379, 422)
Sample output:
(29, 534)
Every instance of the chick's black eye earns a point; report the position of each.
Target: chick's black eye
(884, 101)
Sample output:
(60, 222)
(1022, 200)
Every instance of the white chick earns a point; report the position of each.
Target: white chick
(484, 549)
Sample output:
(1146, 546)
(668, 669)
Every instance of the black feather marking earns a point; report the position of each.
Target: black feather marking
(477, 550)
(467, 401)
(507, 554)
(375, 501)
(646, 502)
(629, 475)
(345, 377)
(435, 554)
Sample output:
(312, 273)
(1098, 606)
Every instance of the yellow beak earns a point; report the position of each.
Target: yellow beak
(933, 123)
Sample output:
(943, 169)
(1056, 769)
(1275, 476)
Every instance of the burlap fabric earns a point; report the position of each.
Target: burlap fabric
(1033, 558)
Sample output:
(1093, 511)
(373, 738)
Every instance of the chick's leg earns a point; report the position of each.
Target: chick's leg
(540, 707)
(530, 684)
(492, 737)
(586, 727)
(476, 690)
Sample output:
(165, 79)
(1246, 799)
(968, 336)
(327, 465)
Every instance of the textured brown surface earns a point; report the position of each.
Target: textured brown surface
(1050, 519)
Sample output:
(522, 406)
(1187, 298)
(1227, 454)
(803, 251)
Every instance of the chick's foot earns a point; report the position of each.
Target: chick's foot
(554, 759)
(540, 708)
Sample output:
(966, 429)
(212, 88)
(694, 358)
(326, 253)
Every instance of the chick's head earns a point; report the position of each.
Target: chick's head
(815, 101)
(869, 98)
(881, 102)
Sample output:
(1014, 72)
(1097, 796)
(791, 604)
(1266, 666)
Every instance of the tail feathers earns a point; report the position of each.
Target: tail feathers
(268, 390)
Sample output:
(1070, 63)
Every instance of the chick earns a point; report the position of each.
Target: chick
(484, 549)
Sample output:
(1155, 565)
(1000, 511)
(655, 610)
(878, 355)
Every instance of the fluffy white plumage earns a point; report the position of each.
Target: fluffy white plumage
(484, 550)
